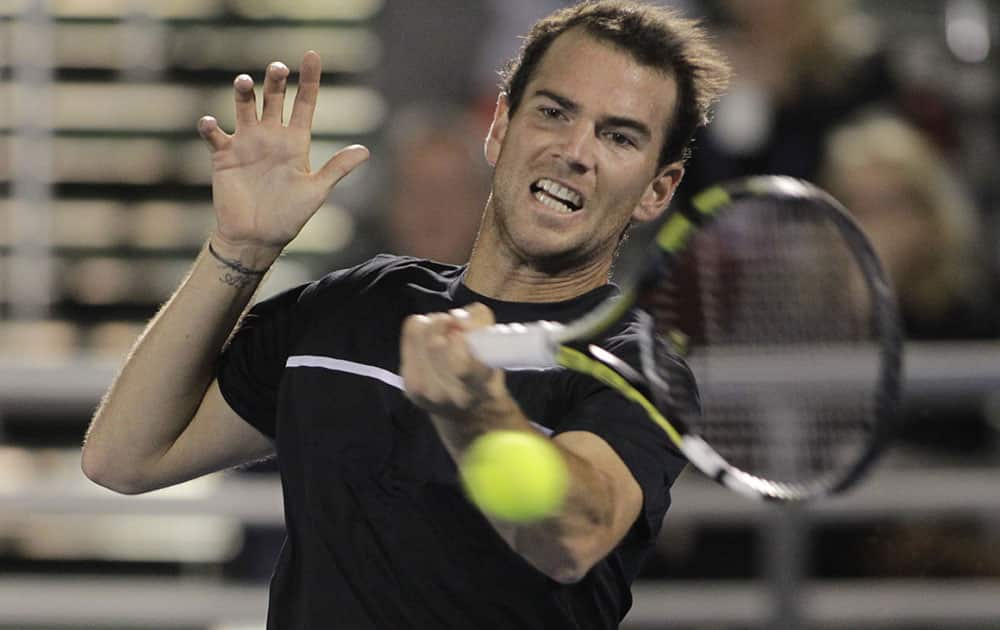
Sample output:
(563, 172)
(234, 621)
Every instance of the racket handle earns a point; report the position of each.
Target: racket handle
(516, 345)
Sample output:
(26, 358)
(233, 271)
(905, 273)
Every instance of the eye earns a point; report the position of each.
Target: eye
(553, 113)
(620, 139)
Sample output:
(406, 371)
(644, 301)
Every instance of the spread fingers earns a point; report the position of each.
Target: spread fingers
(246, 102)
(275, 83)
(208, 128)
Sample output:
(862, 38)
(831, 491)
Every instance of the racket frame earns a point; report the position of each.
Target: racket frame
(542, 344)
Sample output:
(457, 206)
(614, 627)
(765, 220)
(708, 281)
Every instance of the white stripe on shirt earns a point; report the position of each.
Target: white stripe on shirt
(360, 369)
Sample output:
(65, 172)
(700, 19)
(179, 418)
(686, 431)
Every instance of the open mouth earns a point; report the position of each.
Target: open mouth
(556, 196)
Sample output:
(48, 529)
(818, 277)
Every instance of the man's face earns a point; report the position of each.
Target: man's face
(578, 160)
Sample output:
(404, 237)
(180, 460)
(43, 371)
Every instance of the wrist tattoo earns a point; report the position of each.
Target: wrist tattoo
(236, 280)
(238, 275)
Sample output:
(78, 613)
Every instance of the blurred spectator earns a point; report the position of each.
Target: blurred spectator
(439, 183)
(927, 232)
(799, 69)
(922, 223)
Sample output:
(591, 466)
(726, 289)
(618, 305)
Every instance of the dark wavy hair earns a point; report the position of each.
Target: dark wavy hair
(657, 37)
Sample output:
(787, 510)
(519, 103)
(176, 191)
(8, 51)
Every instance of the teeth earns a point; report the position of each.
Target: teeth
(561, 192)
(552, 203)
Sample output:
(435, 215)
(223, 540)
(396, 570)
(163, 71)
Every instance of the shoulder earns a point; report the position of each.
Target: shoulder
(385, 270)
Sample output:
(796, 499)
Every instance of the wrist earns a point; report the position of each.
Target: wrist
(242, 258)
(496, 411)
(492, 412)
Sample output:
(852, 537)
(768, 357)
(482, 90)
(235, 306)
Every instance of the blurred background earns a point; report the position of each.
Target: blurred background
(893, 105)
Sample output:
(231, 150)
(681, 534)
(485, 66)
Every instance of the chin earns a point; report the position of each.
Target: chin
(557, 260)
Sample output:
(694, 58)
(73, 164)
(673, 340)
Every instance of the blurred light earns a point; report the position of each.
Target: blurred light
(111, 160)
(112, 339)
(194, 163)
(743, 119)
(142, 43)
(343, 49)
(171, 225)
(104, 223)
(6, 229)
(131, 538)
(87, 46)
(116, 8)
(99, 280)
(117, 106)
(348, 10)
(967, 30)
(48, 338)
(102, 280)
(285, 274)
(349, 49)
(101, 160)
(329, 230)
(160, 278)
(16, 467)
(14, 7)
(88, 223)
(162, 107)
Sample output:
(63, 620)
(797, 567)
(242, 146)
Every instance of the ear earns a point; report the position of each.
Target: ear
(498, 129)
(658, 193)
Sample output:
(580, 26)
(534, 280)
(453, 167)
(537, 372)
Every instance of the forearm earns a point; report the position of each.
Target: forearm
(165, 376)
(466, 399)
(565, 545)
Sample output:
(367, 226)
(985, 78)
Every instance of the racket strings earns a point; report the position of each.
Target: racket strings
(773, 301)
(664, 346)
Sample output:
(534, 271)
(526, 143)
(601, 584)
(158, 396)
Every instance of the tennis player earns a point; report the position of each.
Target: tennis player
(368, 402)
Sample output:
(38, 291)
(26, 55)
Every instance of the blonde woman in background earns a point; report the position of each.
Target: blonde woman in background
(928, 233)
(922, 223)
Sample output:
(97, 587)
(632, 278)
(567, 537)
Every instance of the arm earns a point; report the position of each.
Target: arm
(163, 420)
(466, 399)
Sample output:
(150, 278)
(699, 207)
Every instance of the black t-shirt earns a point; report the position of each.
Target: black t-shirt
(379, 532)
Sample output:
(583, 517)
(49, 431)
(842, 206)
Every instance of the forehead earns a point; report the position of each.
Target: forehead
(604, 79)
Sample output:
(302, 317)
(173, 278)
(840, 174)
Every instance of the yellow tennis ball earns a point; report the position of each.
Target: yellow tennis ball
(515, 475)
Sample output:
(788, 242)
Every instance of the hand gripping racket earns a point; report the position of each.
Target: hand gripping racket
(778, 304)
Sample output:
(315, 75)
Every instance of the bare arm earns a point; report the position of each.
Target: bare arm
(163, 420)
(466, 399)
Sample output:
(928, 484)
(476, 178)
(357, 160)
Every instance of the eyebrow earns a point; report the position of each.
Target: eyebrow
(613, 121)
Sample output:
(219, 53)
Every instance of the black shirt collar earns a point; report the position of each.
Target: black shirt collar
(562, 311)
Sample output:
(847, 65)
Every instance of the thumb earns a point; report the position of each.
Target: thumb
(479, 316)
(343, 162)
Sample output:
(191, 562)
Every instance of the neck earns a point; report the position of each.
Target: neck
(496, 272)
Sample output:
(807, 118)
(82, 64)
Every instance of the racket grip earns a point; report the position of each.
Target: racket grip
(516, 345)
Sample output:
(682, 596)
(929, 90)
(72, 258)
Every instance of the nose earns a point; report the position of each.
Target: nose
(576, 147)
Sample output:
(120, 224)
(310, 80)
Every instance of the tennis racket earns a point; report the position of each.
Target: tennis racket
(771, 296)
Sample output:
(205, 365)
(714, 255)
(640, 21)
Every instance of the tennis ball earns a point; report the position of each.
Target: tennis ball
(515, 476)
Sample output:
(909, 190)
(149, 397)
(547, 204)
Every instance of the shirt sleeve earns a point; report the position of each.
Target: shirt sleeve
(250, 368)
(640, 444)
(650, 456)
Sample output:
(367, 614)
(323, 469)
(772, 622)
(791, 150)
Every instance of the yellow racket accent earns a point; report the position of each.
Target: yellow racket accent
(579, 362)
(674, 233)
(708, 201)
(679, 341)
